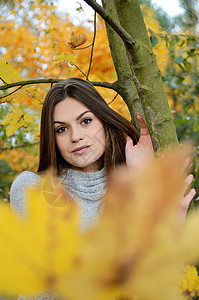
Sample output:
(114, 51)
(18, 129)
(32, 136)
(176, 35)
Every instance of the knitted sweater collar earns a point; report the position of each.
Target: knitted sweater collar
(90, 186)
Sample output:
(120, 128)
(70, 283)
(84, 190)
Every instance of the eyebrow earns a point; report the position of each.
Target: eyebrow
(78, 117)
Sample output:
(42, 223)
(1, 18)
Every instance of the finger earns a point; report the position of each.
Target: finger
(129, 142)
(187, 183)
(185, 204)
(188, 198)
(144, 129)
(186, 163)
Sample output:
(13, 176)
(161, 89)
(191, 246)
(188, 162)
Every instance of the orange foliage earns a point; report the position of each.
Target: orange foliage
(38, 40)
(33, 39)
(20, 159)
(160, 49)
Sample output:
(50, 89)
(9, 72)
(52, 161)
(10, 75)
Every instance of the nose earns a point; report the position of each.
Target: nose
(76, 134)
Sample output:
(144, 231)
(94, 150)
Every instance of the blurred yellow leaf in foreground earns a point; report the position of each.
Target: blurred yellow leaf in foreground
(36, 251)
(138, 248)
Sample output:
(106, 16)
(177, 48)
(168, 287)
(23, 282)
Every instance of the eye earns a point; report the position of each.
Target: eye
(61, 130)
(86, 121)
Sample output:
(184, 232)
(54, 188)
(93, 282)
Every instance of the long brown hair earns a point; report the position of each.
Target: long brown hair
(116, 127)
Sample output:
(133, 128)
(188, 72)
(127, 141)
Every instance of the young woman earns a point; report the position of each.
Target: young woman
(81, 140)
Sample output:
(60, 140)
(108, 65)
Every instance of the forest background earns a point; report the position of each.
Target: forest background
(34, 44)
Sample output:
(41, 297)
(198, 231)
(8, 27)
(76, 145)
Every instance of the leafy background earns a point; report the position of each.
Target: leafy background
(34, 44)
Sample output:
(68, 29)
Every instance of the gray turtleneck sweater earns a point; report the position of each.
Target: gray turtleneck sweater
(86, 188)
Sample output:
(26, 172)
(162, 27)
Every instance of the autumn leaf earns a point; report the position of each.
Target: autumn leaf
(7, 72)
(16, 119)
(63, 58)
(37, 251)
(35, 93)
(138, 248)
(77, 40)
(189, 283)
(37, 134)
(68, 73)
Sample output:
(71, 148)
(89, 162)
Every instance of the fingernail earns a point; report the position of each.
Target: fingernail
(187, 161)
(194, 191)
(191, 175)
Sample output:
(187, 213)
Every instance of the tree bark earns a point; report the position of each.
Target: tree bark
(125, 84)
(143, 70)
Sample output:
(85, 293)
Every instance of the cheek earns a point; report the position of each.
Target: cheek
(100, 138)
(61, 143)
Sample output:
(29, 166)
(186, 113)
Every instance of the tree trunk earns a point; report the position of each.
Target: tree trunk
(142, 70)
(125, 84)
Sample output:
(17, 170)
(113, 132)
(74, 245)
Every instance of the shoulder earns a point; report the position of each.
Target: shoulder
(24, 179)
(17, 190)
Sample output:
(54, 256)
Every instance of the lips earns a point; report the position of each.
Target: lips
(81, 149)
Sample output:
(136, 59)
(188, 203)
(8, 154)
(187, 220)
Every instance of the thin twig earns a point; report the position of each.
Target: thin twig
(127, 39)
(3, 80)
(93, 44)
(83, 47)
(80, 70)
(28, 82)
(1, 97)
(113, 99)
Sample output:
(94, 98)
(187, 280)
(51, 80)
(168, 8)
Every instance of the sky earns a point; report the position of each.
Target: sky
(170, 6)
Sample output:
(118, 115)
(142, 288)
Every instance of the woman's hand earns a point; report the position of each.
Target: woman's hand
(185, 200)
(138, 156)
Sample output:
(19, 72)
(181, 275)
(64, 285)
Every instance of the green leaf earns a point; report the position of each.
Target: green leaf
(196, 126)
(154, 40)
(151, 31)
(179, 121)
(179, 60)
(177, 39)
(172, 43)
(182, 43)
(190, 53)
(187, 65)
(47, 31)
(166, 38)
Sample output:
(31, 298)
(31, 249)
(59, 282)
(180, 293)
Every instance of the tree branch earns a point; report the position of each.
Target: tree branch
(107, 85)
(3, 80)
(93, 43)
(2, 97)
(27, 82)
(127, 39)
(20, 84)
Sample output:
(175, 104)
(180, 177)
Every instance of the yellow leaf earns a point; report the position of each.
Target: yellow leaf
(139, 247)
(37, 251)
(62, 58)
(7, 72)
(189, 283)
(68, 73)
(34, 92)
(76, 41)
(37, 134)
(16, 119)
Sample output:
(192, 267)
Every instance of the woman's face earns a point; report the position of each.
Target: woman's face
(79, 135)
